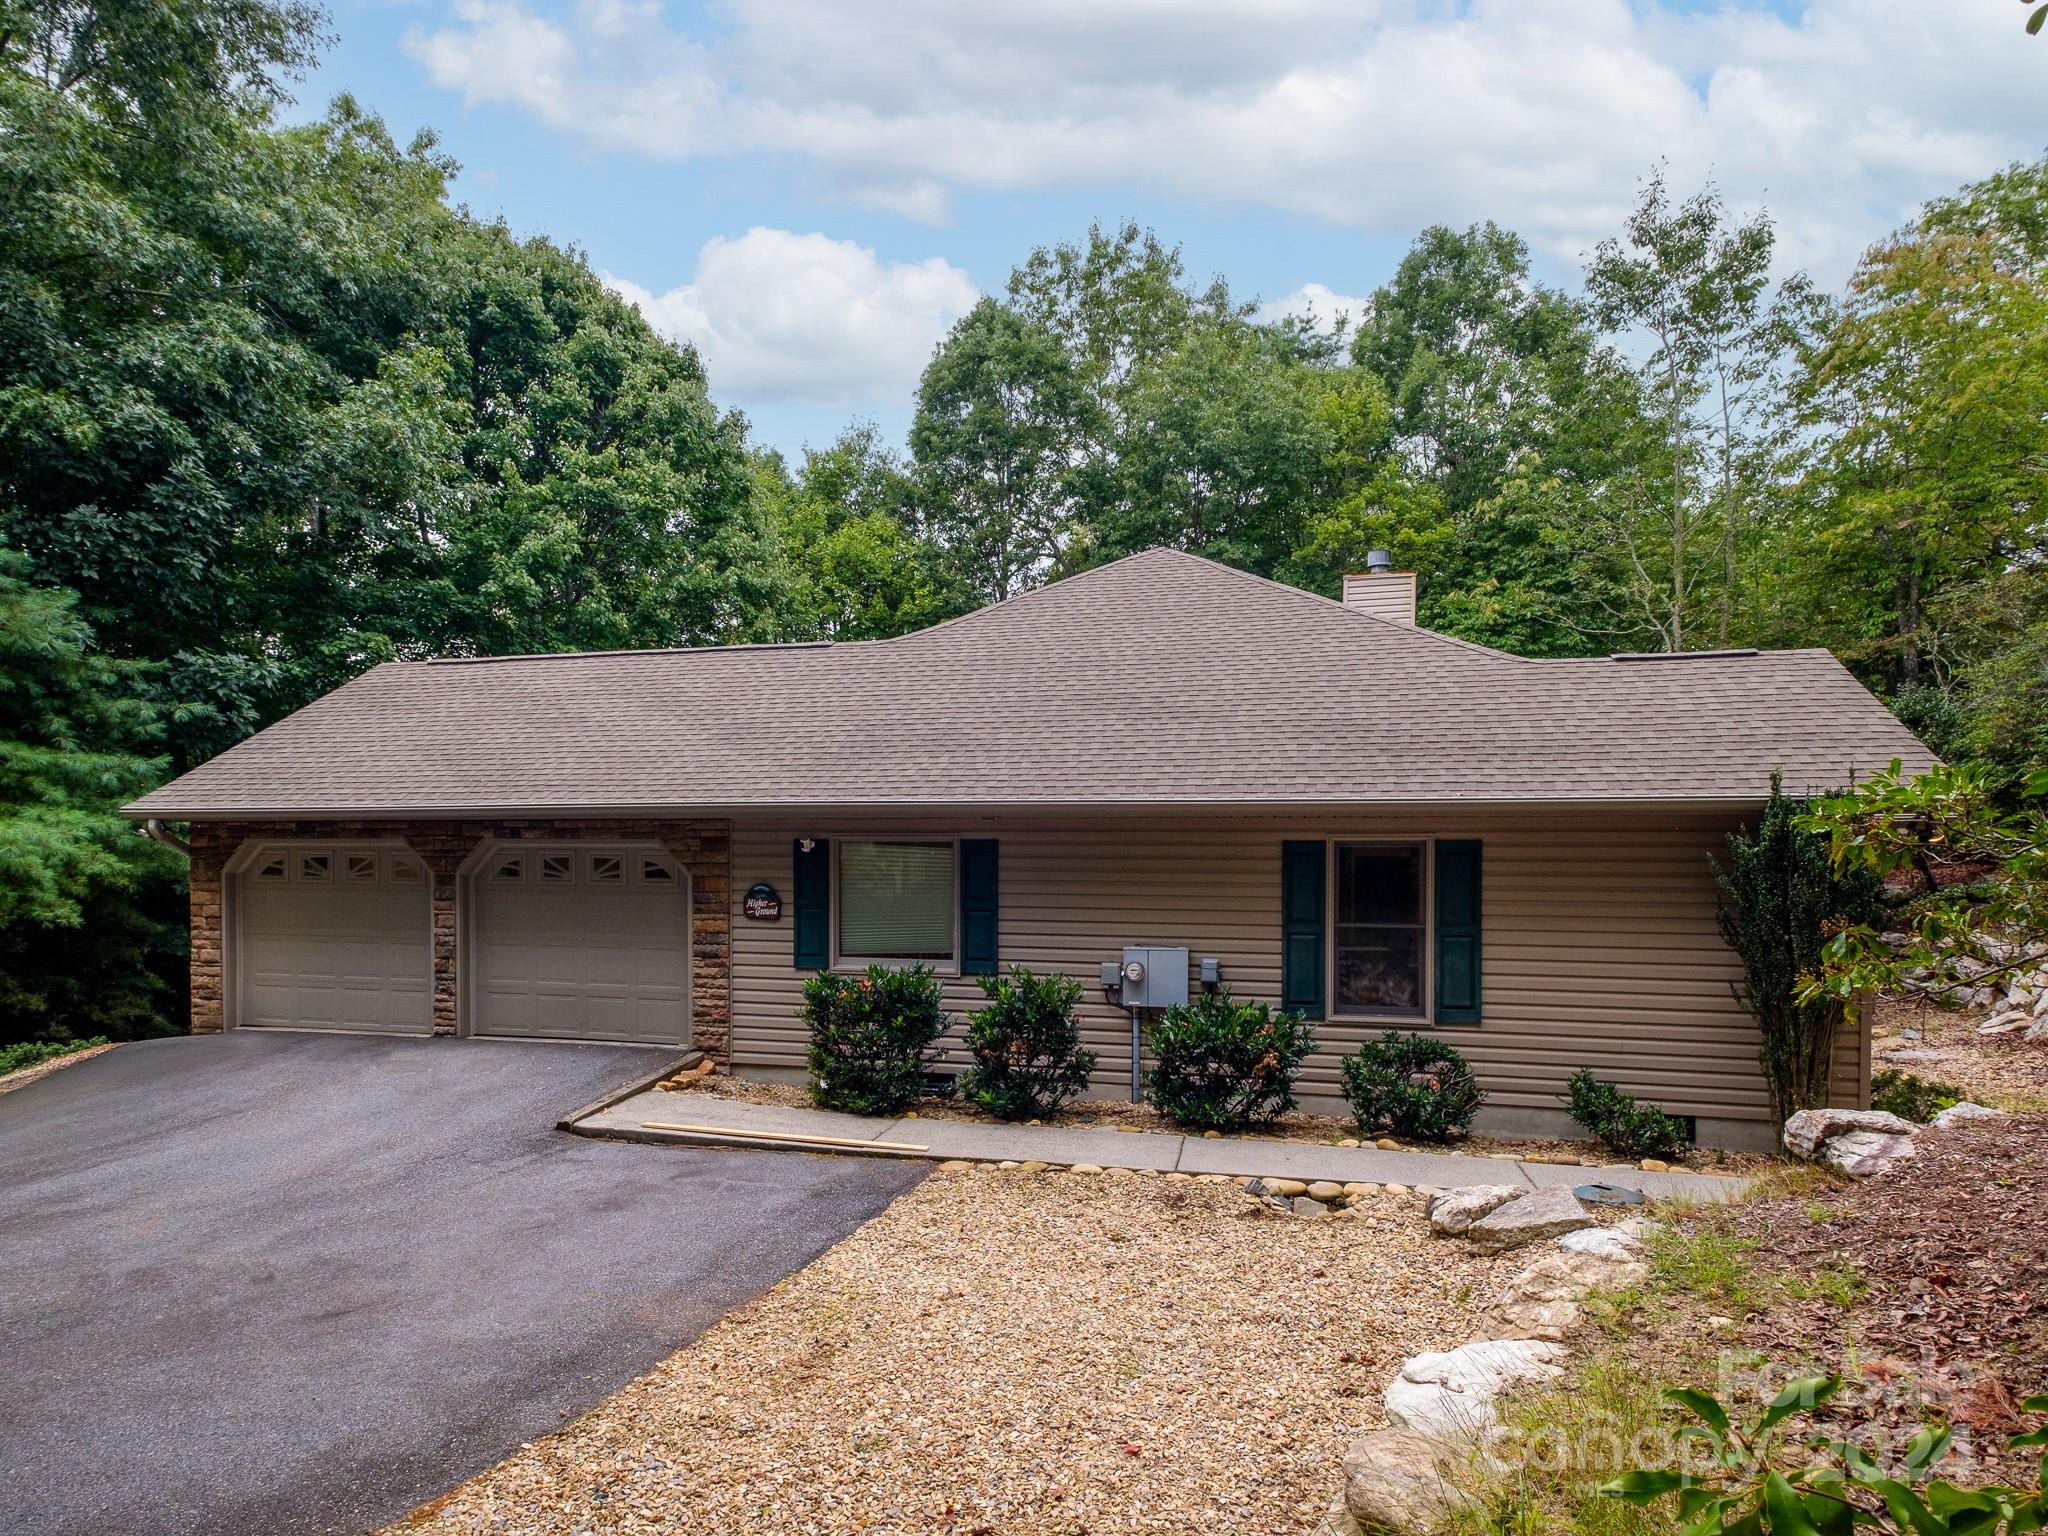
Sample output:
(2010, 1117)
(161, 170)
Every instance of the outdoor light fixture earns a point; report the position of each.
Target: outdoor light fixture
(808, 844)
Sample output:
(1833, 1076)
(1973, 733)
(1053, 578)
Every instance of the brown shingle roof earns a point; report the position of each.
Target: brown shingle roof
(1162, 678)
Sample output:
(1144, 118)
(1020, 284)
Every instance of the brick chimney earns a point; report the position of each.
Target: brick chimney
(1380, 590)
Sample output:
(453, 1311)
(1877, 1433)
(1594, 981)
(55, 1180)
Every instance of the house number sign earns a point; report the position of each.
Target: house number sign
(762, 903)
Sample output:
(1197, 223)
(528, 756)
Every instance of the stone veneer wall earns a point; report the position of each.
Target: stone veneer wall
(704, 848)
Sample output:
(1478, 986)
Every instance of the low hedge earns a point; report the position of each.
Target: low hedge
(1026, 1046)
(1223, 1065)
(873, 1037)
(1411, 1086)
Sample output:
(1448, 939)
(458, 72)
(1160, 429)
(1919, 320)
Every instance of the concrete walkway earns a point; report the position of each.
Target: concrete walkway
(1165, 1152)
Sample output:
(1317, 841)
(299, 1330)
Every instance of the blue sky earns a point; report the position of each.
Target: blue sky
(811, 192)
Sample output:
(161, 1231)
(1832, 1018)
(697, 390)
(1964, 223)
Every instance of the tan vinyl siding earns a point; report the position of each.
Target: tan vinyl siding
(1600, 946)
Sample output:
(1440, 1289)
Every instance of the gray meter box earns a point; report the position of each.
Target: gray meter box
(1162, 980)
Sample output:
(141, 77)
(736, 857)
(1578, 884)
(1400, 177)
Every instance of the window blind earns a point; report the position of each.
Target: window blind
(896, 901)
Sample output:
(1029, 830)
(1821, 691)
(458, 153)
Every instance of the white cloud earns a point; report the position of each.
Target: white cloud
(1317, 302)
(1538, 113)
(780, 316)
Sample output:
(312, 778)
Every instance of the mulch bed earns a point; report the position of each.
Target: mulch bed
(1951, 1251)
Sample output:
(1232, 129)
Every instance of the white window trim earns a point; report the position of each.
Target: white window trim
(1426, 1018)
(855, 964)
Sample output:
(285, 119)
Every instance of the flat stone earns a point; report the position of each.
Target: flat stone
(1356, 1188)
(1325, 1191)
(1086, 1168)
(1808, 1128)
(1033, 1166)
(1398, 1481)
(1212, 1135)
(1180, 1178)
(1121, 1173)
(1542, 1301)
(1397, 1189)
(1286, 1188)
(1602, 1242)
(955, 1165)
(1451, 1395)
(1654, 1165)
(1863, 1154)
(2006, 1023)
(1453, 1212)
(1304, 1206)
(1533, 1218)
(1009, 1163)
(1347, 1141)
(1956, 1114)
(1388, 1144)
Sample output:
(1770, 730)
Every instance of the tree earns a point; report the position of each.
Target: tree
(1928, 395)
(82, 894)
(1003, 420)
(1696, 288)
(1781, 901)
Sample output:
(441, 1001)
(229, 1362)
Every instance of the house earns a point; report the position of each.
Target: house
(1378, 825)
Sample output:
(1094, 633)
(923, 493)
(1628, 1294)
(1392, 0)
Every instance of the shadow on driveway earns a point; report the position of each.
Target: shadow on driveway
(294, 1283)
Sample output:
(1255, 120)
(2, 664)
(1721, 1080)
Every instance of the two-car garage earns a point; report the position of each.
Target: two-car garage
(575, 942)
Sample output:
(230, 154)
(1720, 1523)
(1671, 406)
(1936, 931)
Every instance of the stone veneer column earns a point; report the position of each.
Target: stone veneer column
(442, 846)
(704, 848)
(212, 847)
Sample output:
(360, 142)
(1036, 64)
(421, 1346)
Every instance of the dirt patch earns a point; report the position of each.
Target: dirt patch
(1009, 1353)
(1943, 1046)
(1298, 1126)
(1926, 1289)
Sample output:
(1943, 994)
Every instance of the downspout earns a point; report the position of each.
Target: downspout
(156, 831)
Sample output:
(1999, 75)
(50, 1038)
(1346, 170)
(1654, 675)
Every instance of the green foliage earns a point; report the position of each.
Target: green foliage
(1911, 1098)
(1026, 1046)
(1781, 899)
(1921, 835)
(1748, 1480)
(33, 1053)
(872, 1037)
(1706, 1257)
(1622, 1124)
(1415, 1087)
(1222, 1065)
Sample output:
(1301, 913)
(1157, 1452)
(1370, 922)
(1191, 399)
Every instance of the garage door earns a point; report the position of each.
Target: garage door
(335, 938)
(581, 944)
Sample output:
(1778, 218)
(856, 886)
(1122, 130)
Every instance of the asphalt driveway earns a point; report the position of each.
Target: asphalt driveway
(293, 1283)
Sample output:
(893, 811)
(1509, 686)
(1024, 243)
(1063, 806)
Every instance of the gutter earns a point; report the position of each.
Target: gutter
(157, 832)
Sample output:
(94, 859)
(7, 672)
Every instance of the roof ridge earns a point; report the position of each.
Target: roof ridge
(1339, 605)
(644, 650)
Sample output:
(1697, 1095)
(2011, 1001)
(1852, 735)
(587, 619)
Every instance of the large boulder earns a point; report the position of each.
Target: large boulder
(1452, 1211)
(1452, 1394)
(1399, 1482)
(1809, 1128)
(1861, 1154)
(1542, 1301)
(1534, 1217)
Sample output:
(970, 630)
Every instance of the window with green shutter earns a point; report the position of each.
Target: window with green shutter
(1457, 931)
(811, 903)
(979, 930)
(1301, 927)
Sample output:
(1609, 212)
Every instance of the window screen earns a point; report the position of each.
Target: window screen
(1379, 928)
(896, 901)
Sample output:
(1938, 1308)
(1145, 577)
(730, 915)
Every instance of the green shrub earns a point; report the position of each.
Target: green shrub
(1622, 1124)
(33, 1053)
(872, 1037)
(1026, 1046)
(1412, 1086)
(1910, 1097)
(1223, 1065)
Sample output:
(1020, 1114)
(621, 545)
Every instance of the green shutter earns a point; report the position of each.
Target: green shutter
(978, 929)
(1457, 932)
(1301, 927)
(811, 905)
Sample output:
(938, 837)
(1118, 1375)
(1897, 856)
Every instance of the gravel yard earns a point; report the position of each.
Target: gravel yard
(2000, 1070)
(1009, 1352)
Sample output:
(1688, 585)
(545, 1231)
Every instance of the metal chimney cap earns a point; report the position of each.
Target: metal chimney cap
(1378, 561)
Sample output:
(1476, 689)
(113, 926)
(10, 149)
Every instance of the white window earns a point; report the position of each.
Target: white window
(895, 901)
(1381, 933)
